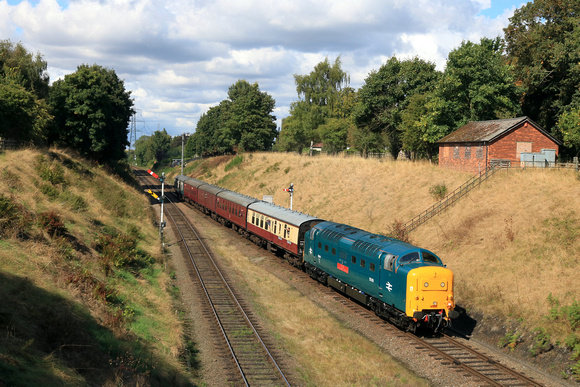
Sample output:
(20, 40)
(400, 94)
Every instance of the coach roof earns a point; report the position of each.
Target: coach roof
(294, 218)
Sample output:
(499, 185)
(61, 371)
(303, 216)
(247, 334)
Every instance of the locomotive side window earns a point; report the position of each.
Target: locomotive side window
(333, 251)
(319, 245)
(428, 257)
(362, 263)
(325, 247)
(372, 266)
(353, 259)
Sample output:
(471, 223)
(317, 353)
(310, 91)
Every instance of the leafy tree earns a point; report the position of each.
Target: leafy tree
(334, 134)
(248, 124)
(568, 127)
(384, 96)
(22, 116)
(210, 137)
(323, 94)
(92, 110)
(415, 137)
(477, 85)
(543, 46)
(23, 85)
(18, 66)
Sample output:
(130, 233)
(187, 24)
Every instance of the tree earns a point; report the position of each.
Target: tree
(568, 127)
(334, 134)
(18, 66)
(543, 46)
(384, 96)
(24, 114)
(92, 110)
(414, 135)
(248, 123)
(323, 94)
(477, 85)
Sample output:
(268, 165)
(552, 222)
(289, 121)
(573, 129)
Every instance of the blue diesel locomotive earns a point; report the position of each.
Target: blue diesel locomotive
(398, 281)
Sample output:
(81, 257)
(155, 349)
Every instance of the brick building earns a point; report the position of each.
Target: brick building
(477, 145)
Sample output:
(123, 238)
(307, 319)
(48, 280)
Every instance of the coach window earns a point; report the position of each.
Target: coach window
(253, 218)
(275, 226)
(362, 263)
(262, 221)
(267, 224)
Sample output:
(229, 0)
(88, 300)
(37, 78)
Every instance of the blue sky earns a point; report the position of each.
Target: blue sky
(179, 57)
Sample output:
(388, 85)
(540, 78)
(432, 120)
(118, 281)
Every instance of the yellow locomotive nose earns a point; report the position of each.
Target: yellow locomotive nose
(429, 288)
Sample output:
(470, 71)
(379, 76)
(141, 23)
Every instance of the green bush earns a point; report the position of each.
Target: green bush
(438, 191)
(235, 162)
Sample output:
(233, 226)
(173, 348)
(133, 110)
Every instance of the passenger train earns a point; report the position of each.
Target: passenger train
(400, 282)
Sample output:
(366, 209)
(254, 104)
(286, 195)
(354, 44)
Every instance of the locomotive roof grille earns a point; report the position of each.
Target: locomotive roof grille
(331, 235)
(365, 247)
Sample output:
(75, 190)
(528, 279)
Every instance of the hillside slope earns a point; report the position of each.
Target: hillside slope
(85, 299)
(513, 243)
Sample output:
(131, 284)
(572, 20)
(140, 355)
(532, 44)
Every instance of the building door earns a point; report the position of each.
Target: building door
(522, 147)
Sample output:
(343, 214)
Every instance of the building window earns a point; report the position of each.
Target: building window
(467, 152)
(456, 152)
(479, 152)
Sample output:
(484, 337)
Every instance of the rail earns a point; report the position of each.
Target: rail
(449, 200)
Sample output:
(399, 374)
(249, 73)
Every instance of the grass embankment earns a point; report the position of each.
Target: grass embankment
(513, 243)
(85, 299)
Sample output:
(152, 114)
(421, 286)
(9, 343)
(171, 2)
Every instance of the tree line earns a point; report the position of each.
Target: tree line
(408, 105)
(88, 110)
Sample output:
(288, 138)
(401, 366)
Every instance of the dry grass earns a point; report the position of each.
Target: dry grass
(511, 242)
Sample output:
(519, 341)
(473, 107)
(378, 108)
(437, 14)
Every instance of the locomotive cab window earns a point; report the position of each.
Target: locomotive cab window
(428, 257)
(411, 257)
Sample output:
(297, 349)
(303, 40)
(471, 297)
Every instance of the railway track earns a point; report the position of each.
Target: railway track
(477, 366)
(250, 361)
(465, 359)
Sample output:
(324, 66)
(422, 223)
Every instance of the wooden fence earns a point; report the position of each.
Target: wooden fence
(8, 144)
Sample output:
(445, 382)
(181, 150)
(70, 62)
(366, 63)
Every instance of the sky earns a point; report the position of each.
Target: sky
(179, 57)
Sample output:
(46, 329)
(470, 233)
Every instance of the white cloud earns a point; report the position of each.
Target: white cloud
(180, 56)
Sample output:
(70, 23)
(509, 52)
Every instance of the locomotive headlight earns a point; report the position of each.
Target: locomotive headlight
(426, 284)
(442, 284)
